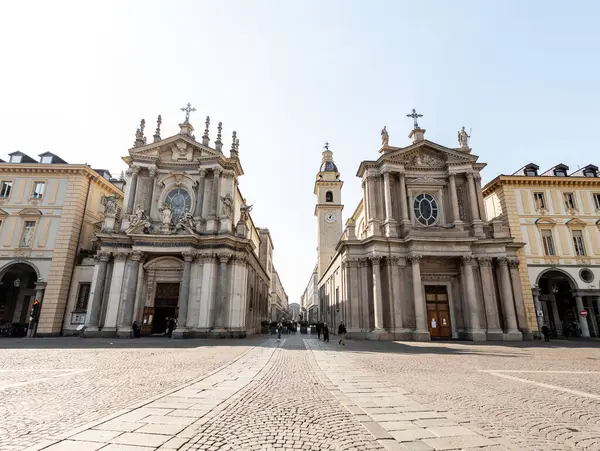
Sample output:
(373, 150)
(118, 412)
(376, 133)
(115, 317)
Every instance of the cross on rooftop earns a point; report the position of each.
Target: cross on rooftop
(415, 115)
(188, 109)
(326, 146)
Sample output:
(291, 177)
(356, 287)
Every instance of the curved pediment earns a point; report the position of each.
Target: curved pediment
(30, 212)
(165, 264)
(547, 221)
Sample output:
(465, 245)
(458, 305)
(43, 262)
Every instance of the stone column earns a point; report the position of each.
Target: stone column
(200, 195)
(181, 331)
(421, 332)
(494, 332)
(151, 181)
(454, 201)
(390, 222)
(133, 172)
(128, 301)
(207, 294)
(353, 296)
(377, 301)
(92, 318)
(583, 324)
(515, 278)
(221, 307)
(538, 308)
(403, 201)
(479, 193)
(216, 192)
(364, 285)
(508, 304)
(475, 333)
(476, 219)
(114, 296)
(366, 199)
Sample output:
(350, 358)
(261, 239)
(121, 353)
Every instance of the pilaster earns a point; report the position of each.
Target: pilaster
(475, 332)
(421, 332)
(508, 306)
(494, 332)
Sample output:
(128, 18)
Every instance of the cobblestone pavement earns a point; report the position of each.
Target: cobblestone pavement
(50, 386)
(533, 395)
(300, 393)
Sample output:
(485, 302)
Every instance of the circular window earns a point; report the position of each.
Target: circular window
(426, 209)
(586, 275)
(179, 200)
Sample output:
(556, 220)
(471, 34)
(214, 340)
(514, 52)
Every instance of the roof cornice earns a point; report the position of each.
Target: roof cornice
(525, 181)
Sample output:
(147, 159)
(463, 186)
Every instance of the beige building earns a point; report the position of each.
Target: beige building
(185, 247)
(557, 214)
(417, 259)
(49, 212)
(309, 300)
(294, 311)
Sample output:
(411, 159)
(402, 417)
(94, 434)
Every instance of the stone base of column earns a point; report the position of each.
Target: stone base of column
(459, 225)
(218, 332)
(226, 225)
(527, 334)
(478, 228)
(475, 335)
(495, 335)
(513, 335)
(91, 332)
(374, 228)
(421, 335)
(180, 332)
(391, 228)
(380, 335)
(108, 332)
(402, 334)
(125, 332)
(212, 225)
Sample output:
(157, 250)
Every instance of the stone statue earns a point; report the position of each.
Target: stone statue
(166, 213)
(27, 237)
(110, 205)
(245, 209)
(463, 138)
(139, 217)
(186, 220)
(385, 137)
(227, 206)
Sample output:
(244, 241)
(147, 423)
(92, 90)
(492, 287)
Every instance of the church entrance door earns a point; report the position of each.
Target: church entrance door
(438, 311)
(165, 306)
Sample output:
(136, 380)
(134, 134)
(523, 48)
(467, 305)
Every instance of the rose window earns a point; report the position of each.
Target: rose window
(426, 209)
(179, 200)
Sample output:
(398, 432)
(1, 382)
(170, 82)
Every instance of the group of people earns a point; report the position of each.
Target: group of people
(323, 328)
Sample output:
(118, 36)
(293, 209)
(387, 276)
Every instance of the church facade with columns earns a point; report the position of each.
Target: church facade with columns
(416, 258)
(183, 248)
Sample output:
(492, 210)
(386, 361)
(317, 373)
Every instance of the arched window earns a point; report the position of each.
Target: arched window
(180, 201)
(426, 209)
(328, 196)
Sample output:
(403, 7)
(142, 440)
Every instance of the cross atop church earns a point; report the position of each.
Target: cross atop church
(189, 109)
(326, 146)
(415, 115)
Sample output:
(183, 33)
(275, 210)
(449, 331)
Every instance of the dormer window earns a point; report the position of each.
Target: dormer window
(46, 159)
(530, 172)
(589, 173)
(15, 158)
(560, 173)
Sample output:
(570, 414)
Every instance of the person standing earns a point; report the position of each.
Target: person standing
(279, 326)
(342, 333)
(326, 333)
(546, 333)
(318, 330)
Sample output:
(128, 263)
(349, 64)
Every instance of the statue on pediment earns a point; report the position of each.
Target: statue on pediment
(245, 210)
(186, 221)
(167, 214)
(385, 137)
(463, 138)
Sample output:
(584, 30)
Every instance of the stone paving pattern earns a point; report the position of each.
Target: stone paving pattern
(300, 394)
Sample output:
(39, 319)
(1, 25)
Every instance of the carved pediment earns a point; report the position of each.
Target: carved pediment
(429, 154)
(177, 149)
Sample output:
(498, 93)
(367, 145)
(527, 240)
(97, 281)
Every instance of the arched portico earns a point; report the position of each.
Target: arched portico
(561, 303)
(19, 287)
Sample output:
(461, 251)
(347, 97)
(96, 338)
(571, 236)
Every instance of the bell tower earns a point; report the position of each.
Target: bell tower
(328, 210)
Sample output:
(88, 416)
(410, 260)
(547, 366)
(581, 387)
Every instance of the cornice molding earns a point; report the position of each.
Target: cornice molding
(526, 181)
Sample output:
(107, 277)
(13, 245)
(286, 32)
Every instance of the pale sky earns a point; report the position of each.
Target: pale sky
(77, 77)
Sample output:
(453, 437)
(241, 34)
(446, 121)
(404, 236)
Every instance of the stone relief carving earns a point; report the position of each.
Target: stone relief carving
(110, 205)
(226, 206)
(186, 221)
(424, 180)
(424, 159)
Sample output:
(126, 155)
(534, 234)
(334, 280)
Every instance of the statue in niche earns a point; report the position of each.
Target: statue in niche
(226, 206)
(385, 137)
(463, 138)
(110, 205)
(166, 213)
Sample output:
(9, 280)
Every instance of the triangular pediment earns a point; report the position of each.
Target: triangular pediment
(576, 222)
(177, 148)
(427, 153)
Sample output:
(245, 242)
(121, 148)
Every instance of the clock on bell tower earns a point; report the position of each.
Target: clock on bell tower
(328, 189)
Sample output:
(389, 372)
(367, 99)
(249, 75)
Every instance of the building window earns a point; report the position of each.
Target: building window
(540, 201)
(27, 235)
(560, 173)
(38, 190)
(530, 172)
(597, 200)
(578, 242)
(569, 201)
(426, 209)
(5, 189)
(328, 196)
(15, 158)
(83, 296)
(47, 159)
(180, 201)
(548, 242)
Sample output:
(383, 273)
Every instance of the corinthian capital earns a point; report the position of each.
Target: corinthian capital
(414, 258)
(224, 257)
(484, 261)
(513, 262)
(188, 256)
(375, 259)
(468, 260)
(502, 261)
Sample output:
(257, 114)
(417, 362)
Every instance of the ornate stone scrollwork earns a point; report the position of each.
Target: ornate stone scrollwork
(375, 259)
(120, 256)
(202, 172)
(415, 258)
(484, 261)
(468, 260)
(502, 261)
(224, 257)
(188, 256)
(136, 256)
(152, 171)
(394, 260)
(513, 262)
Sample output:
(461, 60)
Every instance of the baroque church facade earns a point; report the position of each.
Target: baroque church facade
(416, 259)
(183, 244)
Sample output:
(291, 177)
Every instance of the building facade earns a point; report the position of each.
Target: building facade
(557, 214)
(185, 246)
(294, 311)
(49, 212)
(310, 298)
(278, 299)
(417, 259)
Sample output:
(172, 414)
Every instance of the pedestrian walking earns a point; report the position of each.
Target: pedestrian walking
(279, 327)
(318, 330)
(546, 332)
(342, 333)
(326, 333)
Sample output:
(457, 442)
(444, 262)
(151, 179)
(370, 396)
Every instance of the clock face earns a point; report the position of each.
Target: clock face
(330, 217)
